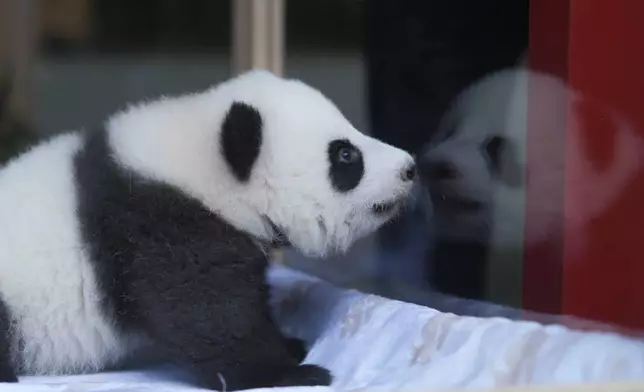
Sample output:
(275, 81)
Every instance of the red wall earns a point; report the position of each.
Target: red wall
(598, 47)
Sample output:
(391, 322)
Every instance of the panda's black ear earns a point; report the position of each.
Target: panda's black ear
(241, 139)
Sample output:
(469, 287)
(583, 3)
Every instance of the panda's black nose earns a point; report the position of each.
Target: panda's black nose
(409, 172)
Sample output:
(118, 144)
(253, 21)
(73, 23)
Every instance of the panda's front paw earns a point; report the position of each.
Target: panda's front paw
(305, 375)
(296, 348)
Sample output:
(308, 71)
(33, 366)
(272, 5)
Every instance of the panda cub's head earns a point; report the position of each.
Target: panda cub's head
(273, 157)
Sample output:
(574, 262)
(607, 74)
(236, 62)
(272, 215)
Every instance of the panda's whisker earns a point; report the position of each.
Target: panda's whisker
(322, 226)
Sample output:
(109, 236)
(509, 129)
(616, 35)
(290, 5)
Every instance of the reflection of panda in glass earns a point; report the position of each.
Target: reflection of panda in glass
(476, 164)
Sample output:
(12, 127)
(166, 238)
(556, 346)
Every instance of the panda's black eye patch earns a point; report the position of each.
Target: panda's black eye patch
(503, 158)
(346, 165)
(493, 149)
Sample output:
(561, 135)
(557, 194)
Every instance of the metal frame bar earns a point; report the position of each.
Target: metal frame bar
(18, 44)
(258, 35)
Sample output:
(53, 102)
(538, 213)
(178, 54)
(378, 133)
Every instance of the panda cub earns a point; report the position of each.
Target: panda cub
(151, 233)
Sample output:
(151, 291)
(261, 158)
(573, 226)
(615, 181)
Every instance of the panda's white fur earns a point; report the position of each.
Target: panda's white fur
(47, 280)
(498, 105)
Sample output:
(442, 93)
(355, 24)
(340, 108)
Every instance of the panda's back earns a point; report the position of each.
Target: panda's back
(46, 280)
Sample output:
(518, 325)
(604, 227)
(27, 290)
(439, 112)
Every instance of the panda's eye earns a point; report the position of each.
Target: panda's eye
(346, 165)
(348, 155)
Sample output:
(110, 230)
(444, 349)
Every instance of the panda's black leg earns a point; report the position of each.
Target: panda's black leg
(264, 358)
(7, 374)
(261, 358)
(228, 341)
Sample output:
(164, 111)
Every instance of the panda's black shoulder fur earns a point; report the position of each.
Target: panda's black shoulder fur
(168, 266)
(135, 228)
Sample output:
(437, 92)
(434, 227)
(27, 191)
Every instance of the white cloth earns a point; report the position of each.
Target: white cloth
(370, 341)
